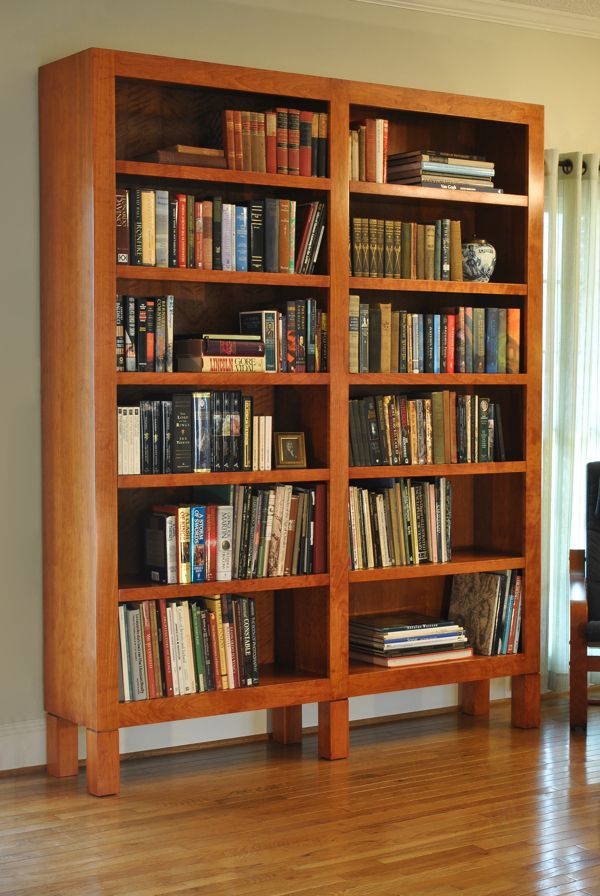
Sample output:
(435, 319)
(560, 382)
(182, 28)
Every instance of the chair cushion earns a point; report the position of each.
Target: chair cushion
(592, 632)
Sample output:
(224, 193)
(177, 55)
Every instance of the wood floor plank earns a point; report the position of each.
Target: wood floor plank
(447, 805)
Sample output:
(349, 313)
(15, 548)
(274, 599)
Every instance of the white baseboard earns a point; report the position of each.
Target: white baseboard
(23, 744)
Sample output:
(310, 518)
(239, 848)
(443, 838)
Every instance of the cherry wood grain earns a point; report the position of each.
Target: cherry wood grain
(170, 480)
(223, 175)
(102, 762)
(418, 193)
(218, 379)
(137, 591)
(440, 287)
(333, 730)
(463, 561)
(402, 470)
(286, 724)
(61, 747)
(242, 278)
(475, 697)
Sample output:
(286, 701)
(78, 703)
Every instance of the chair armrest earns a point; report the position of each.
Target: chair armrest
(578, 609)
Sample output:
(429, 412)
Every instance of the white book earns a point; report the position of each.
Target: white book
(276, 530)
(227, 229)
(224, 541)
(124, 657)
(261, 442)
(137, 656)
(268, 531)
(255, 439)
(162, 228)
(383, 533)
(268, 441)
(285, 523)
(121, 435)
(173, 650)
(135, 463)
(379, 161)
(178, 634)
(148, 227)
(187, 646)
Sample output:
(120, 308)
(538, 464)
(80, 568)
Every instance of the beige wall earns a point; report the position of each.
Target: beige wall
(330, 37)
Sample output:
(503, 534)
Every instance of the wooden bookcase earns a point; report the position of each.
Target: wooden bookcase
(101, 109)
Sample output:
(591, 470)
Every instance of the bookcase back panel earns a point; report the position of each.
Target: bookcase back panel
(301, 630)
(497, 499)
(425, 596)
(151, 115)
(305, 409)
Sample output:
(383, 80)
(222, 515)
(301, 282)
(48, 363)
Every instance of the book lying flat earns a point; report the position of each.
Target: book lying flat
(199, 160)
(413, 659)
(389, 623)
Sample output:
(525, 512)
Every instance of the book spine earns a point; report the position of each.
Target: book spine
(122, 225)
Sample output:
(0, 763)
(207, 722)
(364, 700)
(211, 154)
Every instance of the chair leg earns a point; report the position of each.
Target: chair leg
(578, 685)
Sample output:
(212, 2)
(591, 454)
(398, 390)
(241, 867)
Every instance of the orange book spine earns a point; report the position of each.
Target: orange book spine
(513, 340)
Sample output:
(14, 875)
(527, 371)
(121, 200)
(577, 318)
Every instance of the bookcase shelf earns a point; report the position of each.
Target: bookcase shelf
(172, 480)
(200, 380)
(420, 194)
(145, 170)
(126, 106)
(442, 287)
(241, 278)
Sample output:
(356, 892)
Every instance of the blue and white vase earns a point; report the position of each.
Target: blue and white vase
(478, 260)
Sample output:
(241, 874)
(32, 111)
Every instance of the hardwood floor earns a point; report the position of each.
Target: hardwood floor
(438, 806)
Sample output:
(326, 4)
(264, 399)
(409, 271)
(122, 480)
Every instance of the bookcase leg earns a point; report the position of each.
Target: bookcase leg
(61, 747)
(286, 724)
(334, 730)
(525, 701)
(475, 698)
(102, 765)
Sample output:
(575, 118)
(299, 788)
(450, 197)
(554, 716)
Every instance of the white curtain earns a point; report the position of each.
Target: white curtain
(571, 383)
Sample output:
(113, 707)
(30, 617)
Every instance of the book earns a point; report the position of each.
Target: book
(427, 656)
(474, 603)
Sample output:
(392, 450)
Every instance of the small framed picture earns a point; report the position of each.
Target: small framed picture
(290, 450)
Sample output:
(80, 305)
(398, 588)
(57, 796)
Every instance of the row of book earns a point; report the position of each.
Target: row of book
(176, 647)
(294, 340)
(490, 606)
(406, 250)
(436, 428)
(443, 170)
(145, 333)
(279, 141)
(193, 432)
(404, 639)
(456, 340)
(262, 532)
(400, 522)
(368, 150)
(159, 228)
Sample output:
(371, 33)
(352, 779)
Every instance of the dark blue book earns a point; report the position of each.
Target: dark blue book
(241, 238)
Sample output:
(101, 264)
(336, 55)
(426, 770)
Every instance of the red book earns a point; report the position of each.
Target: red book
(229, 138)
(242, 347)
(181, 230)
(451, 339)
(150, 332)
(320, 530)
(166, 646)
(282, 141)
(145, 608)
(271, 141)
(211, 543)
(294, 141)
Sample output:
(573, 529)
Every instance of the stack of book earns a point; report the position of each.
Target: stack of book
(445, 170)
(180, 154)
(193, 432)
(436, 428)
(489, 605)
(276, 530)
(176, 647)
(404, 639)
(145, 333)
(158, 228)
(400, 522)
(368, 147)
(280, 141)
(294, 340)
(406, 250)
(456, 340)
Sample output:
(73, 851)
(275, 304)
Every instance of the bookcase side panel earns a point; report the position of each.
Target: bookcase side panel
(75, 549)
